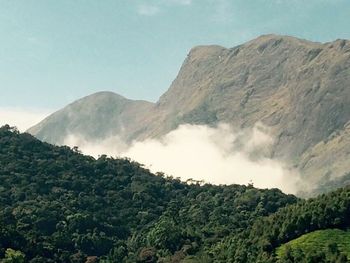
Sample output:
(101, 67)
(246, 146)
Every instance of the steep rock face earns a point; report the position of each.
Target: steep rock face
(300, 89)
(328, 158)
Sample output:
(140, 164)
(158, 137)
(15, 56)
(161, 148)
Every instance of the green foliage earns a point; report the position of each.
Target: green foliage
(57, 205)
(333, 243)
(165, 234)
(13, 256)
(259, 241)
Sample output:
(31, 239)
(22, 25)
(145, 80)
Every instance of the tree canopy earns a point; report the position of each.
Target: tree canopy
(58, 205)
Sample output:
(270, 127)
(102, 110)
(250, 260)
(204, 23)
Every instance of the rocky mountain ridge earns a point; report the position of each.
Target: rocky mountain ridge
(299, 89)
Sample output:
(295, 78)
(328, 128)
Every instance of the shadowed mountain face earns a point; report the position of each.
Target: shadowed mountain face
(95, 117)
(300, 89)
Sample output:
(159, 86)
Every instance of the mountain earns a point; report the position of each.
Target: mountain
(299, 89)
(57, 205)
(96, 116)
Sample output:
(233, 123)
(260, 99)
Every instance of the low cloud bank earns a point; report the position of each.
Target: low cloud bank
(216, 155)
(21, 118)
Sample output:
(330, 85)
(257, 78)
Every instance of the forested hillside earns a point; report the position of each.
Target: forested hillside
(259, 242)
(57, 205)
(331, 245)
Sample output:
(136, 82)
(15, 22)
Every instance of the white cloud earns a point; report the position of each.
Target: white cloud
(112, 146)
(202, 153)
(21, 118)
(148, 10)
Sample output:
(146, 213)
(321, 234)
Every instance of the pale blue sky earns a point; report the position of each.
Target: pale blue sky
(55, 51)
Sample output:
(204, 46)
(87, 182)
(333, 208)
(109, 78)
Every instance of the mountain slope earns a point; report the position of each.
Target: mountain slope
(259, 242)
(57, 205)
(329, 157)
(300, 89)
(97, 116)
(334, 244)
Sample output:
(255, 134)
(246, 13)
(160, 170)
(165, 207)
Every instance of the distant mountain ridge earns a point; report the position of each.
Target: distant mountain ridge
(300, 89)
(96, 116)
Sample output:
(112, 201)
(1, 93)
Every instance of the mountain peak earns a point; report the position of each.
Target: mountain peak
(103, 95)
(205, 50)
(273, 42)
(298, 88)
(87, 116)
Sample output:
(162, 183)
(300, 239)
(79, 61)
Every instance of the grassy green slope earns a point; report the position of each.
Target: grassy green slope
(319, 241)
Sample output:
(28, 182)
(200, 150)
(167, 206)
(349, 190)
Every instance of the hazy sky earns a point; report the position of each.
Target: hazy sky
(55, 51)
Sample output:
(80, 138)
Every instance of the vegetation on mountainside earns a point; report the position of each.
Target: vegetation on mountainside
(258, 242)
(331, 244)
(57, 205)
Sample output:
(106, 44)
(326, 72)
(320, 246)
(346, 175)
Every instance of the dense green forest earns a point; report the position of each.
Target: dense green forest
(57, 205)
(258, 243)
